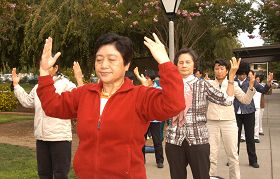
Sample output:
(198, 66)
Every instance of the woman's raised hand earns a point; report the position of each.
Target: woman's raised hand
(47, 60)
(78, 74)
(140, 77)
(252, 80)
(157, 49)
(234, 65)
(15, 77)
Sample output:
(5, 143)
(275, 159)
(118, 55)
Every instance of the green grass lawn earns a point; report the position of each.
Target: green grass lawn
(19, 163)
(5, 118)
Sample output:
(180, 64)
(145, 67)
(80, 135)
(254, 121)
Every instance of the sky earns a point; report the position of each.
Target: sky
(245, 40)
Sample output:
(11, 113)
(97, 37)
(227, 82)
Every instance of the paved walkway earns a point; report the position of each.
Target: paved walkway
(268, 150)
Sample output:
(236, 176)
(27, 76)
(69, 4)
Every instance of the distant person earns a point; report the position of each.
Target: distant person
(245, 114)
(187, 135)
(259, 105)
(113, 115)
(198, 73)
(53, 136)
(154, 127)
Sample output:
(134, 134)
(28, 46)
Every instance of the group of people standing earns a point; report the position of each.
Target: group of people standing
(113, 115)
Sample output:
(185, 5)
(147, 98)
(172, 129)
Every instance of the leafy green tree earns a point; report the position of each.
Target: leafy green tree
(270, 26)
(209, 27)
(13, 15)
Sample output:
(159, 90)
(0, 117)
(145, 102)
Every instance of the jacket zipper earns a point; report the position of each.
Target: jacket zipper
(98, 124)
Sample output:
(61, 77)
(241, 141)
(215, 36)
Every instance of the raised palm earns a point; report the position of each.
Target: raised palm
(270, 77)
(234, 65)
(252, 80)
(15, 77)
(157, 49)
(140, 77)
(47, 60)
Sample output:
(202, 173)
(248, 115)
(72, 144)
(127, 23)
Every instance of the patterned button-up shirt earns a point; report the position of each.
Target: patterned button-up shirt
(194, 130)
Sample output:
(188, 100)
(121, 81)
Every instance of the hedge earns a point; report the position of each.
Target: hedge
(8, 101)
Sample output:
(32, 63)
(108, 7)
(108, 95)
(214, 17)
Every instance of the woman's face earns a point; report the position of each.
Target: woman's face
(220, 71)
(185, 65)
(109, 64)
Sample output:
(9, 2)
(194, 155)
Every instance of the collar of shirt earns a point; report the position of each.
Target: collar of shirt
(189, 79)
(224, 82)
(240, 82)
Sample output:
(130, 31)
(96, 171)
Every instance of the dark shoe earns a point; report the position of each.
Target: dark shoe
(255, 165)
(216, 177)
(242, 140)
(257, 141)
(159, 165)
(261, 133)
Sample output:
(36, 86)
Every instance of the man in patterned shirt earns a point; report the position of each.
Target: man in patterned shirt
(187, 135)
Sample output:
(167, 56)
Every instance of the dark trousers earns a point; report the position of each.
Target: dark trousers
(53, 159)
(179, 157)
(248, 120)
(155, 131)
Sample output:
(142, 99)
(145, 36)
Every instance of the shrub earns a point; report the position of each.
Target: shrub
(8, 101)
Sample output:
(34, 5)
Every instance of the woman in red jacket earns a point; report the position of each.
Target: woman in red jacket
(113, 115)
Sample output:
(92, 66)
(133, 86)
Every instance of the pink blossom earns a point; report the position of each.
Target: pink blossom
(113, 12)
(157, 7)
(12, 5)
(251, 36)
(155, 19)
(193, 14)
(145, 11)
(178, 12)
(106, 4)
(129, 12)
(134, 23)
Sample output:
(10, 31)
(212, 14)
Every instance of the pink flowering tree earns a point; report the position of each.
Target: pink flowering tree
(75, 25)
(210, 27)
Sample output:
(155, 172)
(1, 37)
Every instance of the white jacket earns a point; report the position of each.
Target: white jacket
(47, 128)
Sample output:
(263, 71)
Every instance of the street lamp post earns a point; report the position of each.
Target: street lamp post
(171, 7)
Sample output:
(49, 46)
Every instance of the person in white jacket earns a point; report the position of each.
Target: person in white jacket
(53, 136)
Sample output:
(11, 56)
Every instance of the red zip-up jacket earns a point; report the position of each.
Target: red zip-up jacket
(110, 145)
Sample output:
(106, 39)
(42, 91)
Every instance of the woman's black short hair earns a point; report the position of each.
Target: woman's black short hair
(244, 68)
(189, 51)
(122, 44)
(151, 74)
(222, 62)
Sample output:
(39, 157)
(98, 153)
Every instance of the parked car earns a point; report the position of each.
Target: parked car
(274, 84)
(2, 78)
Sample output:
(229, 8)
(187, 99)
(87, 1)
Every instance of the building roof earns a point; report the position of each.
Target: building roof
(258, 54)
